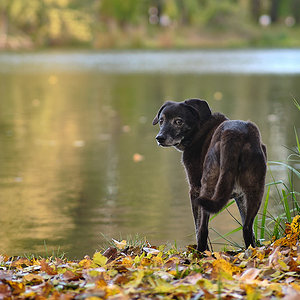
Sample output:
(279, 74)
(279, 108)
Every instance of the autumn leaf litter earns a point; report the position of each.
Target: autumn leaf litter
(130, 272)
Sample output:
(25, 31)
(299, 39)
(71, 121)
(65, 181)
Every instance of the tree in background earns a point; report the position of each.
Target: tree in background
(46, 21)
(123, 12)
(296, 10)
(65, 22)
(255, 9)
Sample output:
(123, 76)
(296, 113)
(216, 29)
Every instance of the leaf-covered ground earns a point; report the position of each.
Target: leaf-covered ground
(128, 272)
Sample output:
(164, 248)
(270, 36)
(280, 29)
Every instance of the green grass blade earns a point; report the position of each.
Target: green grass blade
(226, 206)
(264, 215)
(256, 227)
(233, 231)
(275, 183)
(296, 103)
(286, 207)
(232, 243)
(296, 172)
(228, 233)
(297, 140)
(276, 228)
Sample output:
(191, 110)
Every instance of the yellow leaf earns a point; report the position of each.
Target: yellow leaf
(276, 288)
(127, 261)
(283, 265)
(99, 259)
(157, 261)
(120, 245)
(137, 279)
(146, 261)
(224, 266)
(101, 284)
(260, 255)
(85, 263)
(295, 286)
(173, 272)
(112, 290)
(295, 225)
(163, 287)
(17, 287)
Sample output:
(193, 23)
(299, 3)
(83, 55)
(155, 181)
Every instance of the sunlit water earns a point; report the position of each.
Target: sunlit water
(78, 158)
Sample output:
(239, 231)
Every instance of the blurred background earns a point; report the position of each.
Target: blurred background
(101, 24)
(81, 81)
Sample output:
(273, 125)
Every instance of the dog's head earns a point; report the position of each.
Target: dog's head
(179, 121)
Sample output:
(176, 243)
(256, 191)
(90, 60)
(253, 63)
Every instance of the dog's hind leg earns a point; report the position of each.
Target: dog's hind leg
(253, 201)
(241, 204)
(202, 229)
(247, 215)
(201, 218)
(252, 181)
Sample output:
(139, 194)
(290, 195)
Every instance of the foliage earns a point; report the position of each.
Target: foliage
(63, 22)
(47, 21)
(287, 195)
(133, 272)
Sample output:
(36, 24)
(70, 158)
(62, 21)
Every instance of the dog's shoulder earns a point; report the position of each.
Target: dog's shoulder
(214, 122)
(205, 133)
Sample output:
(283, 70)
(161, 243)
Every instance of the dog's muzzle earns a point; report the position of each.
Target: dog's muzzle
(160, 139)
(167, 141)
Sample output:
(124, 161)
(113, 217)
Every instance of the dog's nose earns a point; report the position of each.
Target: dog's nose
(160, 139)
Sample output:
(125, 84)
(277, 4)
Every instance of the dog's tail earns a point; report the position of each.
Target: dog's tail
(229, 159)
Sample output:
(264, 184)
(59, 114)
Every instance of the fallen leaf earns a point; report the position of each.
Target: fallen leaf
(120, 245)
(250, 274)
(111, 253)
(46, 268)
(20, 263)
(17, 287)
(33, 279)
(151, 250)
(99, 259)
(5, 291)
(69, 275)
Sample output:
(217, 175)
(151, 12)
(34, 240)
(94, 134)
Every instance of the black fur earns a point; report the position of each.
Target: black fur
(223, 159)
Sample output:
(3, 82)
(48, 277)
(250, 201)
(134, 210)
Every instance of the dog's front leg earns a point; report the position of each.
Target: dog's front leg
(201, 218)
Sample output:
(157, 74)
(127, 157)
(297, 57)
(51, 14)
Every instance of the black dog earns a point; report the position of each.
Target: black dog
(223, 159)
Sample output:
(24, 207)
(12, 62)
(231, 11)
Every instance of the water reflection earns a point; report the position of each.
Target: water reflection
(67, 144)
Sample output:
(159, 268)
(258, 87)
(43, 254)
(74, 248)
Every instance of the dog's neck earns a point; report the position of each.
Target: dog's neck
(199, 135)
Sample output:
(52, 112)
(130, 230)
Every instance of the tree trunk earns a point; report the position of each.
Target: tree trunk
(3, 28)
(255, 9)
(274, 11)
(296, 10)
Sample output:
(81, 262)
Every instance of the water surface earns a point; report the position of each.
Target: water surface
(78, 157)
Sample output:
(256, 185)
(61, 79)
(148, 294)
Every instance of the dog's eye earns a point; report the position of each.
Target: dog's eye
(178, 122)
(161, 121)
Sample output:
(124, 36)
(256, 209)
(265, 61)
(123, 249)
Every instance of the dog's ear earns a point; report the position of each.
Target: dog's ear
(155, 120)
(200, 106)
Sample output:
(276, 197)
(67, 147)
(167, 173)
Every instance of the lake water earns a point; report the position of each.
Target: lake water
(78, 158)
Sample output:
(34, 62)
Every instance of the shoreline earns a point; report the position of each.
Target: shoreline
(143, 38)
